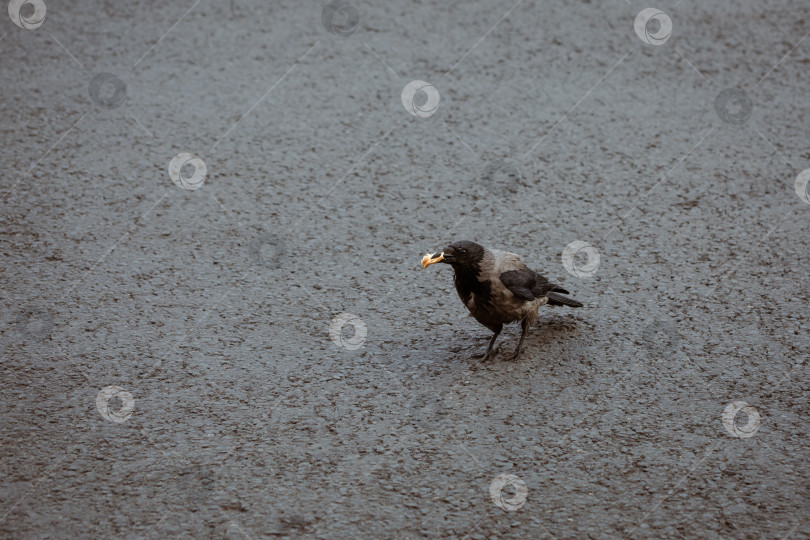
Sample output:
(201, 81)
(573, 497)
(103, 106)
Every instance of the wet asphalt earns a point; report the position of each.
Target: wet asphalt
(214, 320)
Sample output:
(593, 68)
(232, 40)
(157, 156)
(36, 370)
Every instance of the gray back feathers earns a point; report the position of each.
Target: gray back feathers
(496, 262)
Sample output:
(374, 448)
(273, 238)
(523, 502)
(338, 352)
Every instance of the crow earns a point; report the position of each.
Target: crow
(498, 288)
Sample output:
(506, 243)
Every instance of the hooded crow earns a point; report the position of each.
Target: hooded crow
(498, 288)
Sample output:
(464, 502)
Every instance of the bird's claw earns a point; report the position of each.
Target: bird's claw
(491, 353)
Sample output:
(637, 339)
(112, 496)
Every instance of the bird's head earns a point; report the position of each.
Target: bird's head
(459, 254)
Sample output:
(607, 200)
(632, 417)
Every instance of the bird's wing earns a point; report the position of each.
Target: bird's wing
(524, 282)
(520, 282)
(543, 286)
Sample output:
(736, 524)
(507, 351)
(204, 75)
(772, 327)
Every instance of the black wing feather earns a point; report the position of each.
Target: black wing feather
(543, 286)
(527, 285)
(520, 282)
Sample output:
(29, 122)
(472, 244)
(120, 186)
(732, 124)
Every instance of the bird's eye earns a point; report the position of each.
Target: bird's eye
(463, 251)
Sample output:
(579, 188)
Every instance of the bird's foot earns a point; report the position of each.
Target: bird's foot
(491, 353)
(515, 355)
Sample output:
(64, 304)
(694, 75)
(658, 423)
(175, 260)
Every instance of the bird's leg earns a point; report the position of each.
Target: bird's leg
(492, 342)
(525, 324)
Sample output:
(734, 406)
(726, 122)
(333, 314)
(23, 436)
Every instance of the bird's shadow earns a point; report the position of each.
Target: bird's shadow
(548, 329)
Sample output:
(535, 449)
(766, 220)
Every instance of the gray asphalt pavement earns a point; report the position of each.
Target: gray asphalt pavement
(214, 320)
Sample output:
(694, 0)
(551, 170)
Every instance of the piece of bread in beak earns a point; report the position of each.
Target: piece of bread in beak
(429, 259)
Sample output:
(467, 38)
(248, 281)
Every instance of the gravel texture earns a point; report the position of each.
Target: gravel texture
(235, 414)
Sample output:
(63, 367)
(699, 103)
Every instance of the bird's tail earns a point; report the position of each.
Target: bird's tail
(557, 299)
